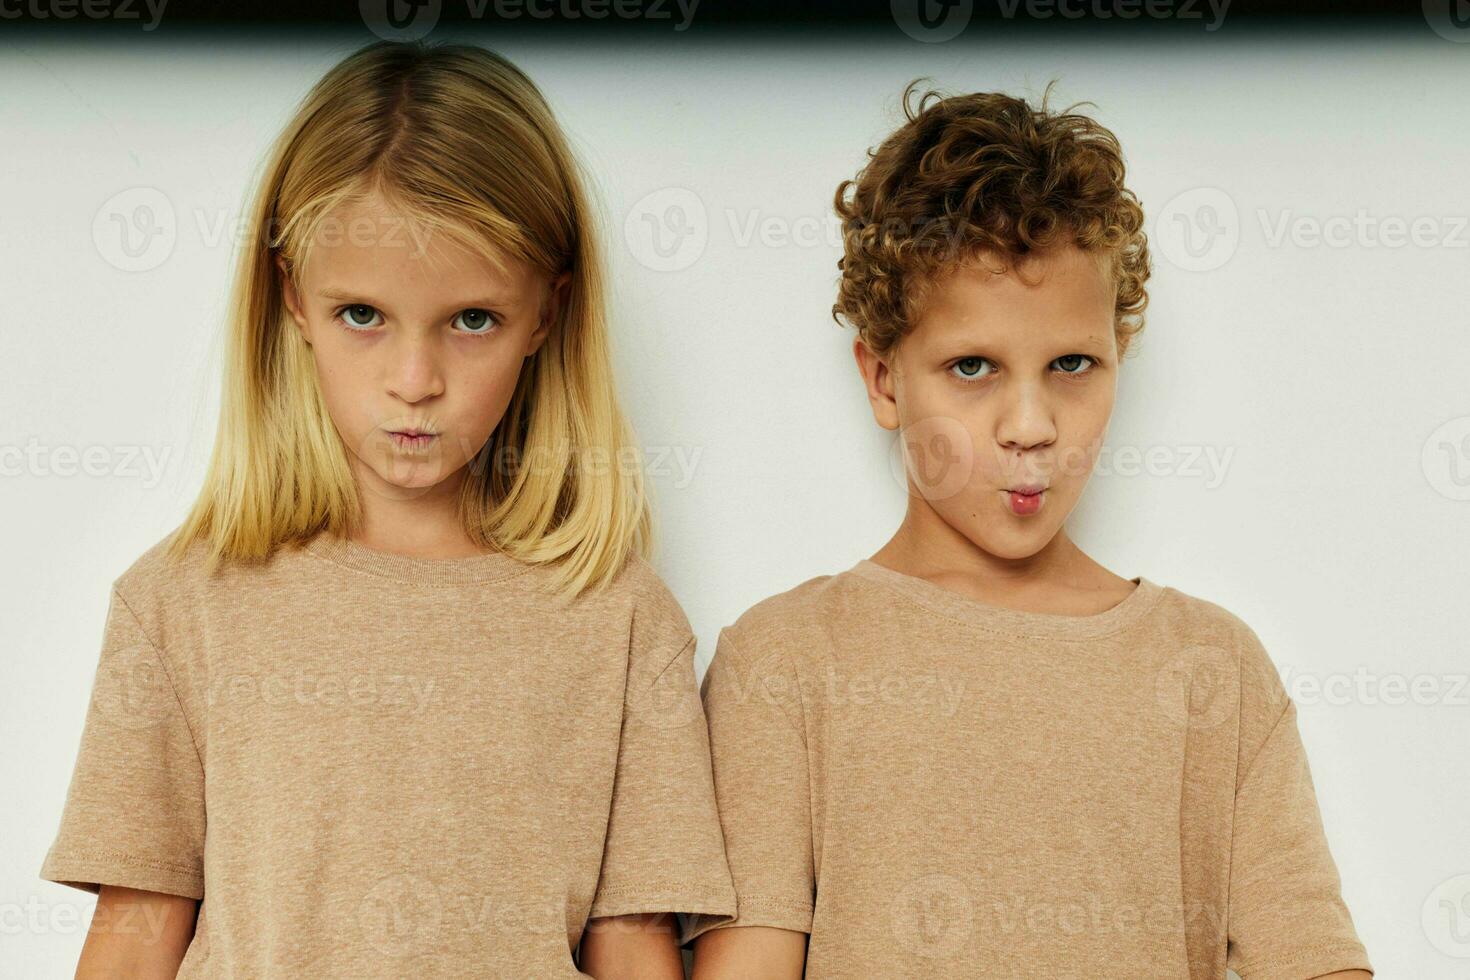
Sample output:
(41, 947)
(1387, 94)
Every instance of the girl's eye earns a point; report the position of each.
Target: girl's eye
(1069, 363)
(969, 368)
(358, 316)
(476, 321)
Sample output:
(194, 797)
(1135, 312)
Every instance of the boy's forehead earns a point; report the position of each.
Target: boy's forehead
(1060, 299)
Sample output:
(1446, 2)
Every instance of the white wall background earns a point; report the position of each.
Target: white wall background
(1328, 382)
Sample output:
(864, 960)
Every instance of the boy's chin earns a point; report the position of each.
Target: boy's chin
(1004, 535)
(1017, 547)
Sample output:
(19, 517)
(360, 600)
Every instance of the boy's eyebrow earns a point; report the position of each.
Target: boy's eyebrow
(959, 346)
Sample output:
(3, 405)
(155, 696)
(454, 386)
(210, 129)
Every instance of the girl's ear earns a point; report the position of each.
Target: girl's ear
(290, 297)
(878, 379)
(556, 297)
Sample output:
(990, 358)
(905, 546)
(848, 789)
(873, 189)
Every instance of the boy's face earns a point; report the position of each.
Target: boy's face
(1000, 386)
(412, 332)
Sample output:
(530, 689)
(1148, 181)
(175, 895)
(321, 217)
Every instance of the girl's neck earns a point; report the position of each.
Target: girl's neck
(422, 522)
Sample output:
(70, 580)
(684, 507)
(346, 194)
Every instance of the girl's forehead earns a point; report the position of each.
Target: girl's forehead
(371, 217)
(376, 242)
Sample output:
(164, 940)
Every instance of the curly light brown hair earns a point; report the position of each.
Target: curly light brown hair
(988, 174)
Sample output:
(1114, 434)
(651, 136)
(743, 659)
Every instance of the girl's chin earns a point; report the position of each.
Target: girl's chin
(407, 480)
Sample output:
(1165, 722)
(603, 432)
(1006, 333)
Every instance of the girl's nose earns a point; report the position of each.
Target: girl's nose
(416, 372)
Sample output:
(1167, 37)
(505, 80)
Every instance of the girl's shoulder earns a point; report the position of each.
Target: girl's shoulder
(657, 617)
(157, 571)
(184, 572)
(174, 592)
(639, 582)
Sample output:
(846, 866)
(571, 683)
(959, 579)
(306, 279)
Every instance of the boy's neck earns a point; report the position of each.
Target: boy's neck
(1058, 577)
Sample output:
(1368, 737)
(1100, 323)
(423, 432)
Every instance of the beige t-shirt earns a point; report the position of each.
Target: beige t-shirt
(936, 787)
(371, 765)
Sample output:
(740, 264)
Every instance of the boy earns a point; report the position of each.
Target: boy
(979, 753)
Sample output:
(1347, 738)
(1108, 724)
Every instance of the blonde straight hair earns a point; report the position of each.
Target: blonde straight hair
(461, 142)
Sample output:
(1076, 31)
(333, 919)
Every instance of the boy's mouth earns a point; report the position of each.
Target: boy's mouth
(1025, 500)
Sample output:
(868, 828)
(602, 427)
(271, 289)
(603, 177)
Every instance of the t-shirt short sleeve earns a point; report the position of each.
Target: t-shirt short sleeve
(663, 851)
(134, 813)
(758, 748)
(1287, 919)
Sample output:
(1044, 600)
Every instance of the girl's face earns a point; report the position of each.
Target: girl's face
(418, 343)
(1001, 386)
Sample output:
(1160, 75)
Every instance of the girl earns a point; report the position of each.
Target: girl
(402, 695)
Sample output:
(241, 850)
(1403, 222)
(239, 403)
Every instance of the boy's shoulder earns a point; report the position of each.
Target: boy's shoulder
(802, 616)
(1202, 620)
(805, 612)
(1219, 643)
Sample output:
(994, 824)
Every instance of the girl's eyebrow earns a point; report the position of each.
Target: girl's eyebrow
(344, 296)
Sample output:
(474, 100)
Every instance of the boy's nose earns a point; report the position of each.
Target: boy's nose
(1025, 419)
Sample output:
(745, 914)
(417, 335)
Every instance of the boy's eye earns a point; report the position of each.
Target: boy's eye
(1069, 363)
(969, 368)
(358, 316)
(475, 321)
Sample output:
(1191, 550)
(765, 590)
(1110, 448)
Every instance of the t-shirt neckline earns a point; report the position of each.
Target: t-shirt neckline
(411, 569)
(1017, 622)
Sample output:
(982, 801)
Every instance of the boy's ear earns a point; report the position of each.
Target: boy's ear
(290, 297)
(879, 381)
(556, 298)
